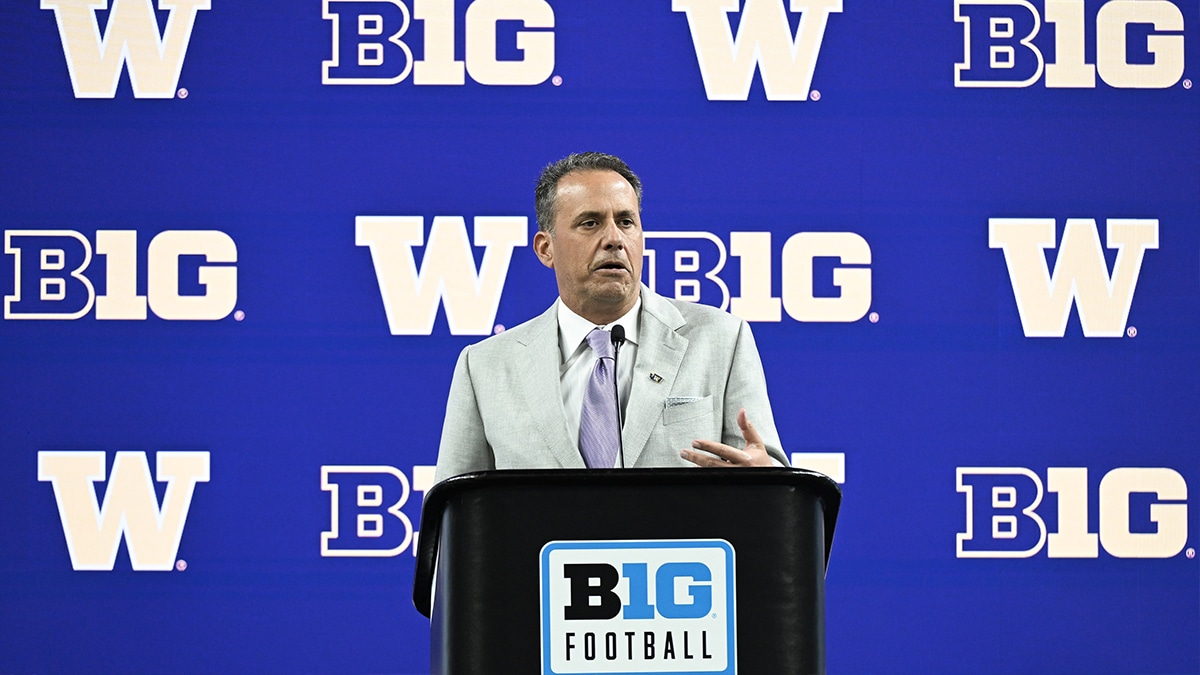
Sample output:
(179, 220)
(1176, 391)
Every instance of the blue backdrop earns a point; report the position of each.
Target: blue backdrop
(217, 214)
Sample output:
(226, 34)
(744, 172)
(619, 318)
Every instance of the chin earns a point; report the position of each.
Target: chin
(615, 292)
(607, 298)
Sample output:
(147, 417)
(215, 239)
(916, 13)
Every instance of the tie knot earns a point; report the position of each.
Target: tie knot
(600, 341)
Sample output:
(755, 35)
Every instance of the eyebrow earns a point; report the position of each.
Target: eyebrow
(600, 214)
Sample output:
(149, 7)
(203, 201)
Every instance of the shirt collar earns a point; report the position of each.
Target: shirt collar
(573, 329)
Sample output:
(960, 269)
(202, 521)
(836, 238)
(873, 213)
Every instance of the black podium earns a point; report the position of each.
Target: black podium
(627, 571)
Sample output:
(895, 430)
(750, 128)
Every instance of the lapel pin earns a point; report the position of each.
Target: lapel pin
(655, 377)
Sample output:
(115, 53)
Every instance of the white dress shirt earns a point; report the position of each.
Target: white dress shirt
(578, 361)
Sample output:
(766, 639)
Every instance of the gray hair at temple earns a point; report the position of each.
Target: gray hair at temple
(547, 185)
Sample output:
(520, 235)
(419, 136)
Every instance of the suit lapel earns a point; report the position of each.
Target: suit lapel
(540, 381)
(660, 352)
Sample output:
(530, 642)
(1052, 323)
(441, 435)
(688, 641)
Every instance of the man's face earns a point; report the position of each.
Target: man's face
(596, 248)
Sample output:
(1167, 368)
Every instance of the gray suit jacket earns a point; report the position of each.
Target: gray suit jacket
(505, 408)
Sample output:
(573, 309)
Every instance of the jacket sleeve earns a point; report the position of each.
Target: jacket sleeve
(464, 447)
(746, 387)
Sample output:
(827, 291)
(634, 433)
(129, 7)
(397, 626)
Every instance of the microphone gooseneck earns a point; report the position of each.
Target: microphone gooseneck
(618, 339)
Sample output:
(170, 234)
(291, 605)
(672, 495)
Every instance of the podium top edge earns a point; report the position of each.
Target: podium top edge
(825, 486)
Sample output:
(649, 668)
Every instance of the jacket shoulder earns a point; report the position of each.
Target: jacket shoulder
(705, 318)
(518, 336)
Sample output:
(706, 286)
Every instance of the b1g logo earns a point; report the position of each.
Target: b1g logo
(131, 37)
(1142, 513)
(371, 42)
(365, 517)
(49, 280)
(764, 41)
(638, 607)
(826, 276)
(1138, 44)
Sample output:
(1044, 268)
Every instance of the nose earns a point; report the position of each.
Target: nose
(612, 236)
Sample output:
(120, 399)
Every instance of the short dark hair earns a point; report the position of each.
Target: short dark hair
(547, 186)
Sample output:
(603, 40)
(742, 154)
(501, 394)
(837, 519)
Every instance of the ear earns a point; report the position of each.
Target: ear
(543, 247)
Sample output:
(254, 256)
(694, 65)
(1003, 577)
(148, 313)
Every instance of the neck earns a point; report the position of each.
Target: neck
(602, 316)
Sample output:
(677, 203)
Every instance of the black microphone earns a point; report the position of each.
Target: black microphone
(618, 339)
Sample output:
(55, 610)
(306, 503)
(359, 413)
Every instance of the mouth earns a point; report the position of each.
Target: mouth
(611, 266)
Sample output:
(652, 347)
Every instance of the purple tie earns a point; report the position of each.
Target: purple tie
(598, 424)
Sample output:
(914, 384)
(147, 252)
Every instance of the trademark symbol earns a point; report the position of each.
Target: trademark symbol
(1187, 84)
(181, 564)
(498, 329)
(239, 315)
(873, 317)
(1191, 553)
(814, 95)
(183, 93)
(556, 80)
(1131, 331)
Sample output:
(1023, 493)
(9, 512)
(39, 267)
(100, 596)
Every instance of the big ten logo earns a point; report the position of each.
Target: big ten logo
(51, 280)
(131, 510)
(1135, 44)
(365, 516)
(825, 275)
(1080, 273)
(638, 606)
(447, 274)
(95, 57)
(1142, 513)
(764, 41)
(373, 43)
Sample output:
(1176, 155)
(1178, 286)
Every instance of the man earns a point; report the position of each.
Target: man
(690, 376)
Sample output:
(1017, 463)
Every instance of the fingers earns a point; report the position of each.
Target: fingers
(748, 430)
(711, 453)
(701, 459)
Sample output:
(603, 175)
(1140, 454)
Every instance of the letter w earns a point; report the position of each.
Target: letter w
(764, 39)
(1080, 273)
(411, 296)
(130, 508)
(132, 36)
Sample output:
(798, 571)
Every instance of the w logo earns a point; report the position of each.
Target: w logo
(764, 40)
(447, 274)
(1080, 273)
(95, 58)
(93, 529)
